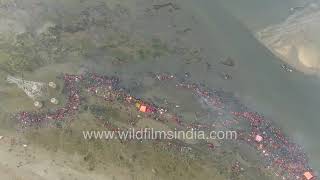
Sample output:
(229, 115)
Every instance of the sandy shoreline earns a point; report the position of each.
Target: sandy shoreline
(34, 163)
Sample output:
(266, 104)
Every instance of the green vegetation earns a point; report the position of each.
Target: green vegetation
(100, 111)
(29, 52)
(133, 155)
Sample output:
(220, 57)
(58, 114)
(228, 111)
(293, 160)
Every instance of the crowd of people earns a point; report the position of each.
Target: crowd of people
(279, 152)
(72, 105)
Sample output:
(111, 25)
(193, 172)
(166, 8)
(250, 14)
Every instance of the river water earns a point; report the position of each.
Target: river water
(292, 100)
(226, 29)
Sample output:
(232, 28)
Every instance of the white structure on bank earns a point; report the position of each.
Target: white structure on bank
(33, 89)
(52, 85)
(38, 104)
(54, 101)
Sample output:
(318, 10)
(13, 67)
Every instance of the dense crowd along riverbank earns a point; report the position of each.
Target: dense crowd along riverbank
(280, 153)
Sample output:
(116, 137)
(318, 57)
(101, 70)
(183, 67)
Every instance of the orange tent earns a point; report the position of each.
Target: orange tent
(308, 175)
(143, 108)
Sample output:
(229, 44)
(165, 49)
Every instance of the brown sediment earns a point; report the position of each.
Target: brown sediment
(170, 4)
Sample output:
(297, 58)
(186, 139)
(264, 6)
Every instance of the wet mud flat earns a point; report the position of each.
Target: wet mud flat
(293, 45)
